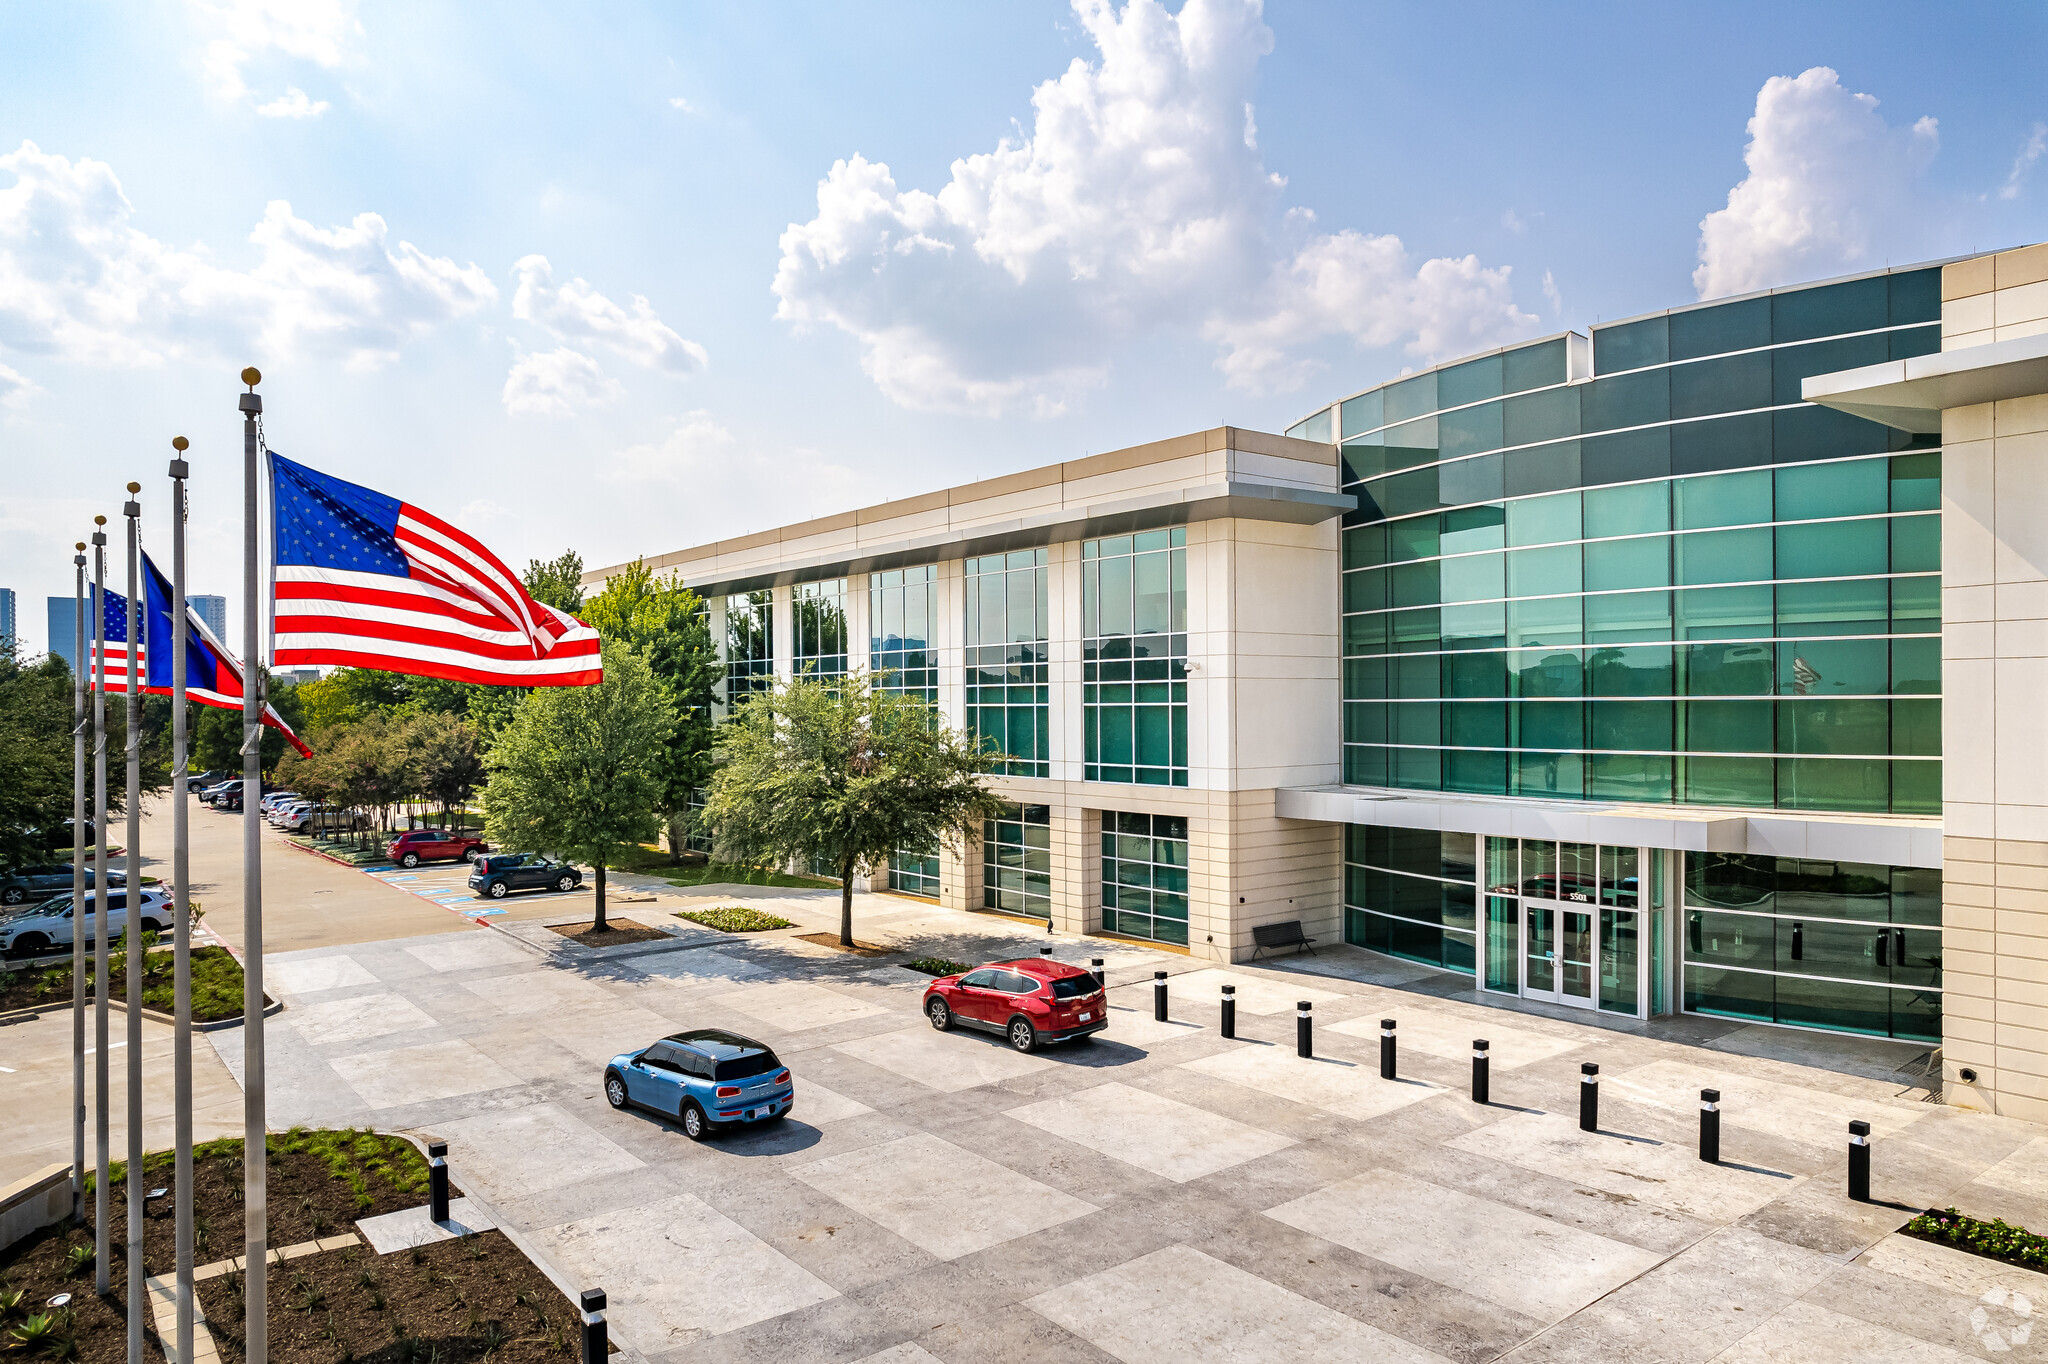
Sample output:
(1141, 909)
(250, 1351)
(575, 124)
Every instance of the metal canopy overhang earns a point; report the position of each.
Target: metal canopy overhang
(1213, 502)
(1912, 394)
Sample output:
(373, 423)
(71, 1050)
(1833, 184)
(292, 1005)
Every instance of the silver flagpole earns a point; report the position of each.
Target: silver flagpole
(135, 950)
(181, 1045)
(101, 1202)
(78, 662)
(255, 1155)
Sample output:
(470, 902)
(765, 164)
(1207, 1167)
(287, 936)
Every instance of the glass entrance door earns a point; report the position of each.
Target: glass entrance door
(1558, 956)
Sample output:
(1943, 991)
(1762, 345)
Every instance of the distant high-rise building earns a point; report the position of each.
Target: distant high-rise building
(7, 635)
(61, 627)
(214, 611)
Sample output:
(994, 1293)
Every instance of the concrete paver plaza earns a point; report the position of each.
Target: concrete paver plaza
(1161, 1193)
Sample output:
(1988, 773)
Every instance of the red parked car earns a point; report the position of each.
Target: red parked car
(1033, 1002)
(415, 846)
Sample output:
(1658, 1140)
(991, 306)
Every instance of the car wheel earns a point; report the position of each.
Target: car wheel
(154, 926)
(497, 890)
(939, 1014)
(471, 854)
(1023, 1036)
(409, 861)
(695, 1125)
(614, 1089)
(13, 895)
(566, 883)
(28, 944)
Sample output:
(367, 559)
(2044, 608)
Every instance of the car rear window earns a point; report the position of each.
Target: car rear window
(747, 1067)
(1073, 987)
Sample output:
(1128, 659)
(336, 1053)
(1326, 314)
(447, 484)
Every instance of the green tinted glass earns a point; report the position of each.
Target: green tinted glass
(1641, 670)
(1850, 607)
(1722, 500)
(1547, 672)
(1830, 548)
(1730, 781)
(1414, 538)
(1916, 544)
(1916, 482)
(1741, 669)
(1543, 468)
(1724, 612)
(1365, 546)
(1729, 727)
(1364, 413)
(1809, 492)
(1546, 620)
(1550, 415)
(1543, 520)
(1631, 345)
(1834, 667)
(1543, 363)
(1916, 666)
(1834, 784)
(1469, 430)
(1473, 528)
(1722, 556)
(1625, 400)
(1617, 617)
(1617, 565)
(1473, 577)
(1720, 328)
(1732, 383)
(1471, 382)
(1859, 305)
(1542, 572)
(1844, 726)
(1476, 675)
(1633, 509)
(1410, 398)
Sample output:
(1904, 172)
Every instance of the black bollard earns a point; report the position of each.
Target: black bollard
(1101, 976)
(1859, 1161)
(437, 1181)
(1710, 1126)
(1386, 1048)
(1482, 1066)
(1304, 1030)
(595, 1345)
(1230, 1011)
(1159, 995)
(1589, 1097)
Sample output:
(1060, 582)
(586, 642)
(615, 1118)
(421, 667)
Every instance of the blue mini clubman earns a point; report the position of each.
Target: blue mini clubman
(708, 1079)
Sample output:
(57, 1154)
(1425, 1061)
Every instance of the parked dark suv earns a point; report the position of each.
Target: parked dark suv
(504, 873)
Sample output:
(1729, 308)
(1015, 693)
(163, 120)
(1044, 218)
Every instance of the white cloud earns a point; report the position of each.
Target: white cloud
(2031, 151)
(735, 484)
(1828, 180)
(576, 312)
(316, 31)
(79, 282)
(293, 103)
(16, 389)
(1136, 202)
(557, 383)
(678, 102)
(1553, 297)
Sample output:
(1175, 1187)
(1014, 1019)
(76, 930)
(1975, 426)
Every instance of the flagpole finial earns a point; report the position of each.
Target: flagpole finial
(180, 444)
(252, 376)
(99, 520)
(179, 468)
(81, 546)
(134, 488)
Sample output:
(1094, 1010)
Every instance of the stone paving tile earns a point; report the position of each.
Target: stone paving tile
(941, 1061)
(1450, 1039)
(527, 1150)
(466, 951)
(1794, 1113)
(1807, 1334)
(336, 1021)
(1913, 1307)
(1171, 1139)
(305, 977)
(541, 991)
(1256, 994)
(1346, 1088)
(410, 1075)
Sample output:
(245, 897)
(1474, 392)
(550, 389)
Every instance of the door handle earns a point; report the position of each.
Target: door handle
(1884, 942)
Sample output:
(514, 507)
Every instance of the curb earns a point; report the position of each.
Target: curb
(270, 1007)
(329, 857)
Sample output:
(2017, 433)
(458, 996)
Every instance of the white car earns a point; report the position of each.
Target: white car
(39, 928)
(325, 819)
(285, 813)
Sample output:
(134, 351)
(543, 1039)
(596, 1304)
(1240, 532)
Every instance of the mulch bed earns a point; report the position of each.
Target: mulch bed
(216, 983)
(859, 948)
(319, 1184)
(615, 933)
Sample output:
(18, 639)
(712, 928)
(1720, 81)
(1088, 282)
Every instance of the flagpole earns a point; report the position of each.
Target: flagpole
(78, 662)
(132, 509)
(255, 1155)
(102, 1203)
(181, 1045)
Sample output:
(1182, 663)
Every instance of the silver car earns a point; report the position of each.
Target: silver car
(39, 928)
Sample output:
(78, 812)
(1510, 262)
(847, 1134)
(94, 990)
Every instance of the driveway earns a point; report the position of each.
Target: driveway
(1162, 1193)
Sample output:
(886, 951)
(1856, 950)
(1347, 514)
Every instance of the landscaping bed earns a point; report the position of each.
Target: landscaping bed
(859, 948)
(731, 874)
(216, 984)
(938, 966)
(616, 932)
(319, 1184)
(735, 919)
(341, 851)
(1994, 1240)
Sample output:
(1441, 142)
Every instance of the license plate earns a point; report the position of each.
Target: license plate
(1087, 1018)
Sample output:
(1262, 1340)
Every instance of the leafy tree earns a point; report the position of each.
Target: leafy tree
(557, 582)
(579, 770)
(844, 770)
(448, 768)
(216, 734)
(667, 623)
(35, 754)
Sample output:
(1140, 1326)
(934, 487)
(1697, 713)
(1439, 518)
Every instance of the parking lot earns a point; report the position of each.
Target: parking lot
(1160, 1193)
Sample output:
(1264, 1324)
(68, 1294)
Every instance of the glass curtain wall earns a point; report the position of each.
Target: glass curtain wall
(1575, 923)
(1844, 946)
(1134, 650)
(1410, 893)
(902, 606)
(1145, 876)
(1006, 658)
(1016, 862)
(749, 644)
(818, 641)
(914, 873)
(1676, 582)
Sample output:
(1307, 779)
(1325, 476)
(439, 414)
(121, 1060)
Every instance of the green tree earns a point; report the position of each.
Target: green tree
(448, 766)
(666, 622)
(578, 771)
(217, 733)
(35, 755)
(843, 770)
(557, 582)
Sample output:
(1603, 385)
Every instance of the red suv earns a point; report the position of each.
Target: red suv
(415, 846)
(1033, 1002)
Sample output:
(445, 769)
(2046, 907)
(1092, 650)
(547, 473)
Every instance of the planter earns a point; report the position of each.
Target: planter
(270, 1006)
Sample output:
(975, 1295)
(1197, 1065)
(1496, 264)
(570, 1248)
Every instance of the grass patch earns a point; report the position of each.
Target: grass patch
(938, 966)
(731, 874)
(355, 1156)
(216, 983)
(734, 919)
(1994, 1240)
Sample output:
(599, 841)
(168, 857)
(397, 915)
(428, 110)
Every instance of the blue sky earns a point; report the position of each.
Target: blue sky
(641, 277)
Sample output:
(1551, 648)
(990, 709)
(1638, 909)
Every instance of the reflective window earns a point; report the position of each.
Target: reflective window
(1145, 875)
(1006, 658)
(1134, 649)
(818, 640)
(1411, 893)
(1016, 862)
(749, 644)
(902, 609)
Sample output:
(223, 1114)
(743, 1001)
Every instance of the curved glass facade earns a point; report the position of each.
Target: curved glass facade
(1645, 570)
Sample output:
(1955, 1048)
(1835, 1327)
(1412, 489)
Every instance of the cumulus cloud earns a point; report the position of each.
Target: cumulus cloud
(293, 103)
(316, 31)
(79, 282)
(1137, 201)
(2031, 151)
(15, 389)
(1827, 175)
(678, 102)
(575, 312)
(557, 383)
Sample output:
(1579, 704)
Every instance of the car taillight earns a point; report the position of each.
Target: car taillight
(728, 1091)
(780, 1078)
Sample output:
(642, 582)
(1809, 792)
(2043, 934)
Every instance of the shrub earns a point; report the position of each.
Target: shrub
(734, 919)
(939, 966)
(1996, 1239)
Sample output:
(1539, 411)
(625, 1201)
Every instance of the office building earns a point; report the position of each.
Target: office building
(1606, 670)
(213, 611)
(9, 633)
(63, 619)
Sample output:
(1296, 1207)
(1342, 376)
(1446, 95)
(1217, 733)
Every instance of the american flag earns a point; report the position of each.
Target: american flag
(114, 608)
(367, 581)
